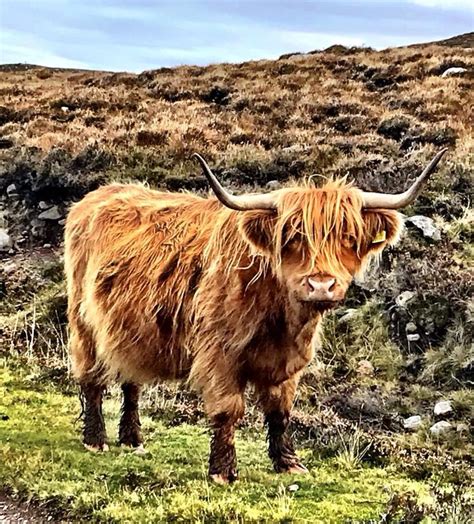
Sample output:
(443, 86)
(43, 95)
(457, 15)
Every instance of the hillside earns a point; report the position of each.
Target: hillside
(403, 340)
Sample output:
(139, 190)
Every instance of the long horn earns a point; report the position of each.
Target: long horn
(386, 201)
(240, 202)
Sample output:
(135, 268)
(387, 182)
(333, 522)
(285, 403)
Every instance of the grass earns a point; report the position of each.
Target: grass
(42, 459)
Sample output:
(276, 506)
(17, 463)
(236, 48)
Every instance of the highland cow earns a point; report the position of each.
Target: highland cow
(223, 292)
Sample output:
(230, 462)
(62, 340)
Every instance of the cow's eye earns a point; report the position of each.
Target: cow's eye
(349, 242)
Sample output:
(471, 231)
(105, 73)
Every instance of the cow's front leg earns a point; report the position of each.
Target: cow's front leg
(276, 402)
(224, 413)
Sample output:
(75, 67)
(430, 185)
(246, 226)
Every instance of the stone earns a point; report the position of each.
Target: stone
(442, 407)
(50, 214)
(412, 423)
(348, 315)
(293, 487)
(273, 184)
(366, 368)
(413, 337)
(47, 246)
(462, 428)
(440, 428)
(5, 240)
(43, 205)
(453, 71)
(9, 267)
(403, 298)
(11, 190)
(411, 327)
(426, 226)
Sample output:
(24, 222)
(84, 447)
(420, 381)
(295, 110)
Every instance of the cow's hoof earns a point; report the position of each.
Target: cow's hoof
(223, 479)
(297, 469)
(96, 448)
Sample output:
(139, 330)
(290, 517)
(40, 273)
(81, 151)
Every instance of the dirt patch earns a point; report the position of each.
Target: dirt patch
(12, 512)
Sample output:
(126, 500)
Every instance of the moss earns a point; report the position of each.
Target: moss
(42, 458)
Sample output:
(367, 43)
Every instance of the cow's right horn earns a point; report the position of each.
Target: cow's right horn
(236, 202)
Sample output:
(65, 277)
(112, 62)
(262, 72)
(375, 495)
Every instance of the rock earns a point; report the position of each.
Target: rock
(11, 190)
(293, 487)
(9, 267)
(426, 226)
(65, 109)
(462, 428)
(5, 240)
(441, 427)
(442, 407)
(403, 298)
(47, 246)
(348, 315)
(413, 337)
(411, 327)
(273, 184)
(50, 214)
(412, 423)
(62, 222)
(365, 367)
(43, 205)
(454, 71)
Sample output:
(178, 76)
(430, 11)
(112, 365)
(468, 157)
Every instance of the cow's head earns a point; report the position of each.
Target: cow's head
(318, 239)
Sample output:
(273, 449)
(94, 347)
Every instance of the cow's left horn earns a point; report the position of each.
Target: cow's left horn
(386, 201)
(236, 202)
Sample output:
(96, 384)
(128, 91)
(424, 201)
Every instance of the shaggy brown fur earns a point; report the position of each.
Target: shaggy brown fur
(175, 286)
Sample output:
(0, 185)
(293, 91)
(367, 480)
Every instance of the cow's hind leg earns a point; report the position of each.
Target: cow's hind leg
(130, 427)
(276, 402)
(94, 434)
(82, 348)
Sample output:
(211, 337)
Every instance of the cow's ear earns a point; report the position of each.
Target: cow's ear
(257, 228)
(383, 227)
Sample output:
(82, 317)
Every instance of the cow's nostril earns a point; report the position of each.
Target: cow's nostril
(332, 285)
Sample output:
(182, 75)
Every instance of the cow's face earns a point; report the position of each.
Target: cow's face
(320, 240)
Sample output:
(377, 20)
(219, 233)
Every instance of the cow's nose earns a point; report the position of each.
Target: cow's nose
(320, 287)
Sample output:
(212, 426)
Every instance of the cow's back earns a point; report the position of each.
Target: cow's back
(119, 241)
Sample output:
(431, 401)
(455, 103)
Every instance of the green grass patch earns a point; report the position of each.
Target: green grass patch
(41, 457)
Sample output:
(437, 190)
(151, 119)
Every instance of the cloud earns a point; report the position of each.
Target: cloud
(448, 4)
(22, 48)
(145, 34)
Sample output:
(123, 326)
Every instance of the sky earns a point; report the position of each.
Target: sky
(135, 35)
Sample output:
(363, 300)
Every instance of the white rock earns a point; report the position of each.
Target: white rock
(273, 184)
(462, 428)
(413, 337)
(426, 226)
(11, 190)
(348, 315)
(412, 423)
(293, 487)
(43, 205)
(403, 298)
(9, 267)
(411, 327)
(440, 427)
(5, 240)
(453, 71)
(64, 109)
(365, 367)
(442, 407)
(50, 214)
(47, 246)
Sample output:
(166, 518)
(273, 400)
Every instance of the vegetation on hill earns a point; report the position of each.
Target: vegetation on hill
(402, 342)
